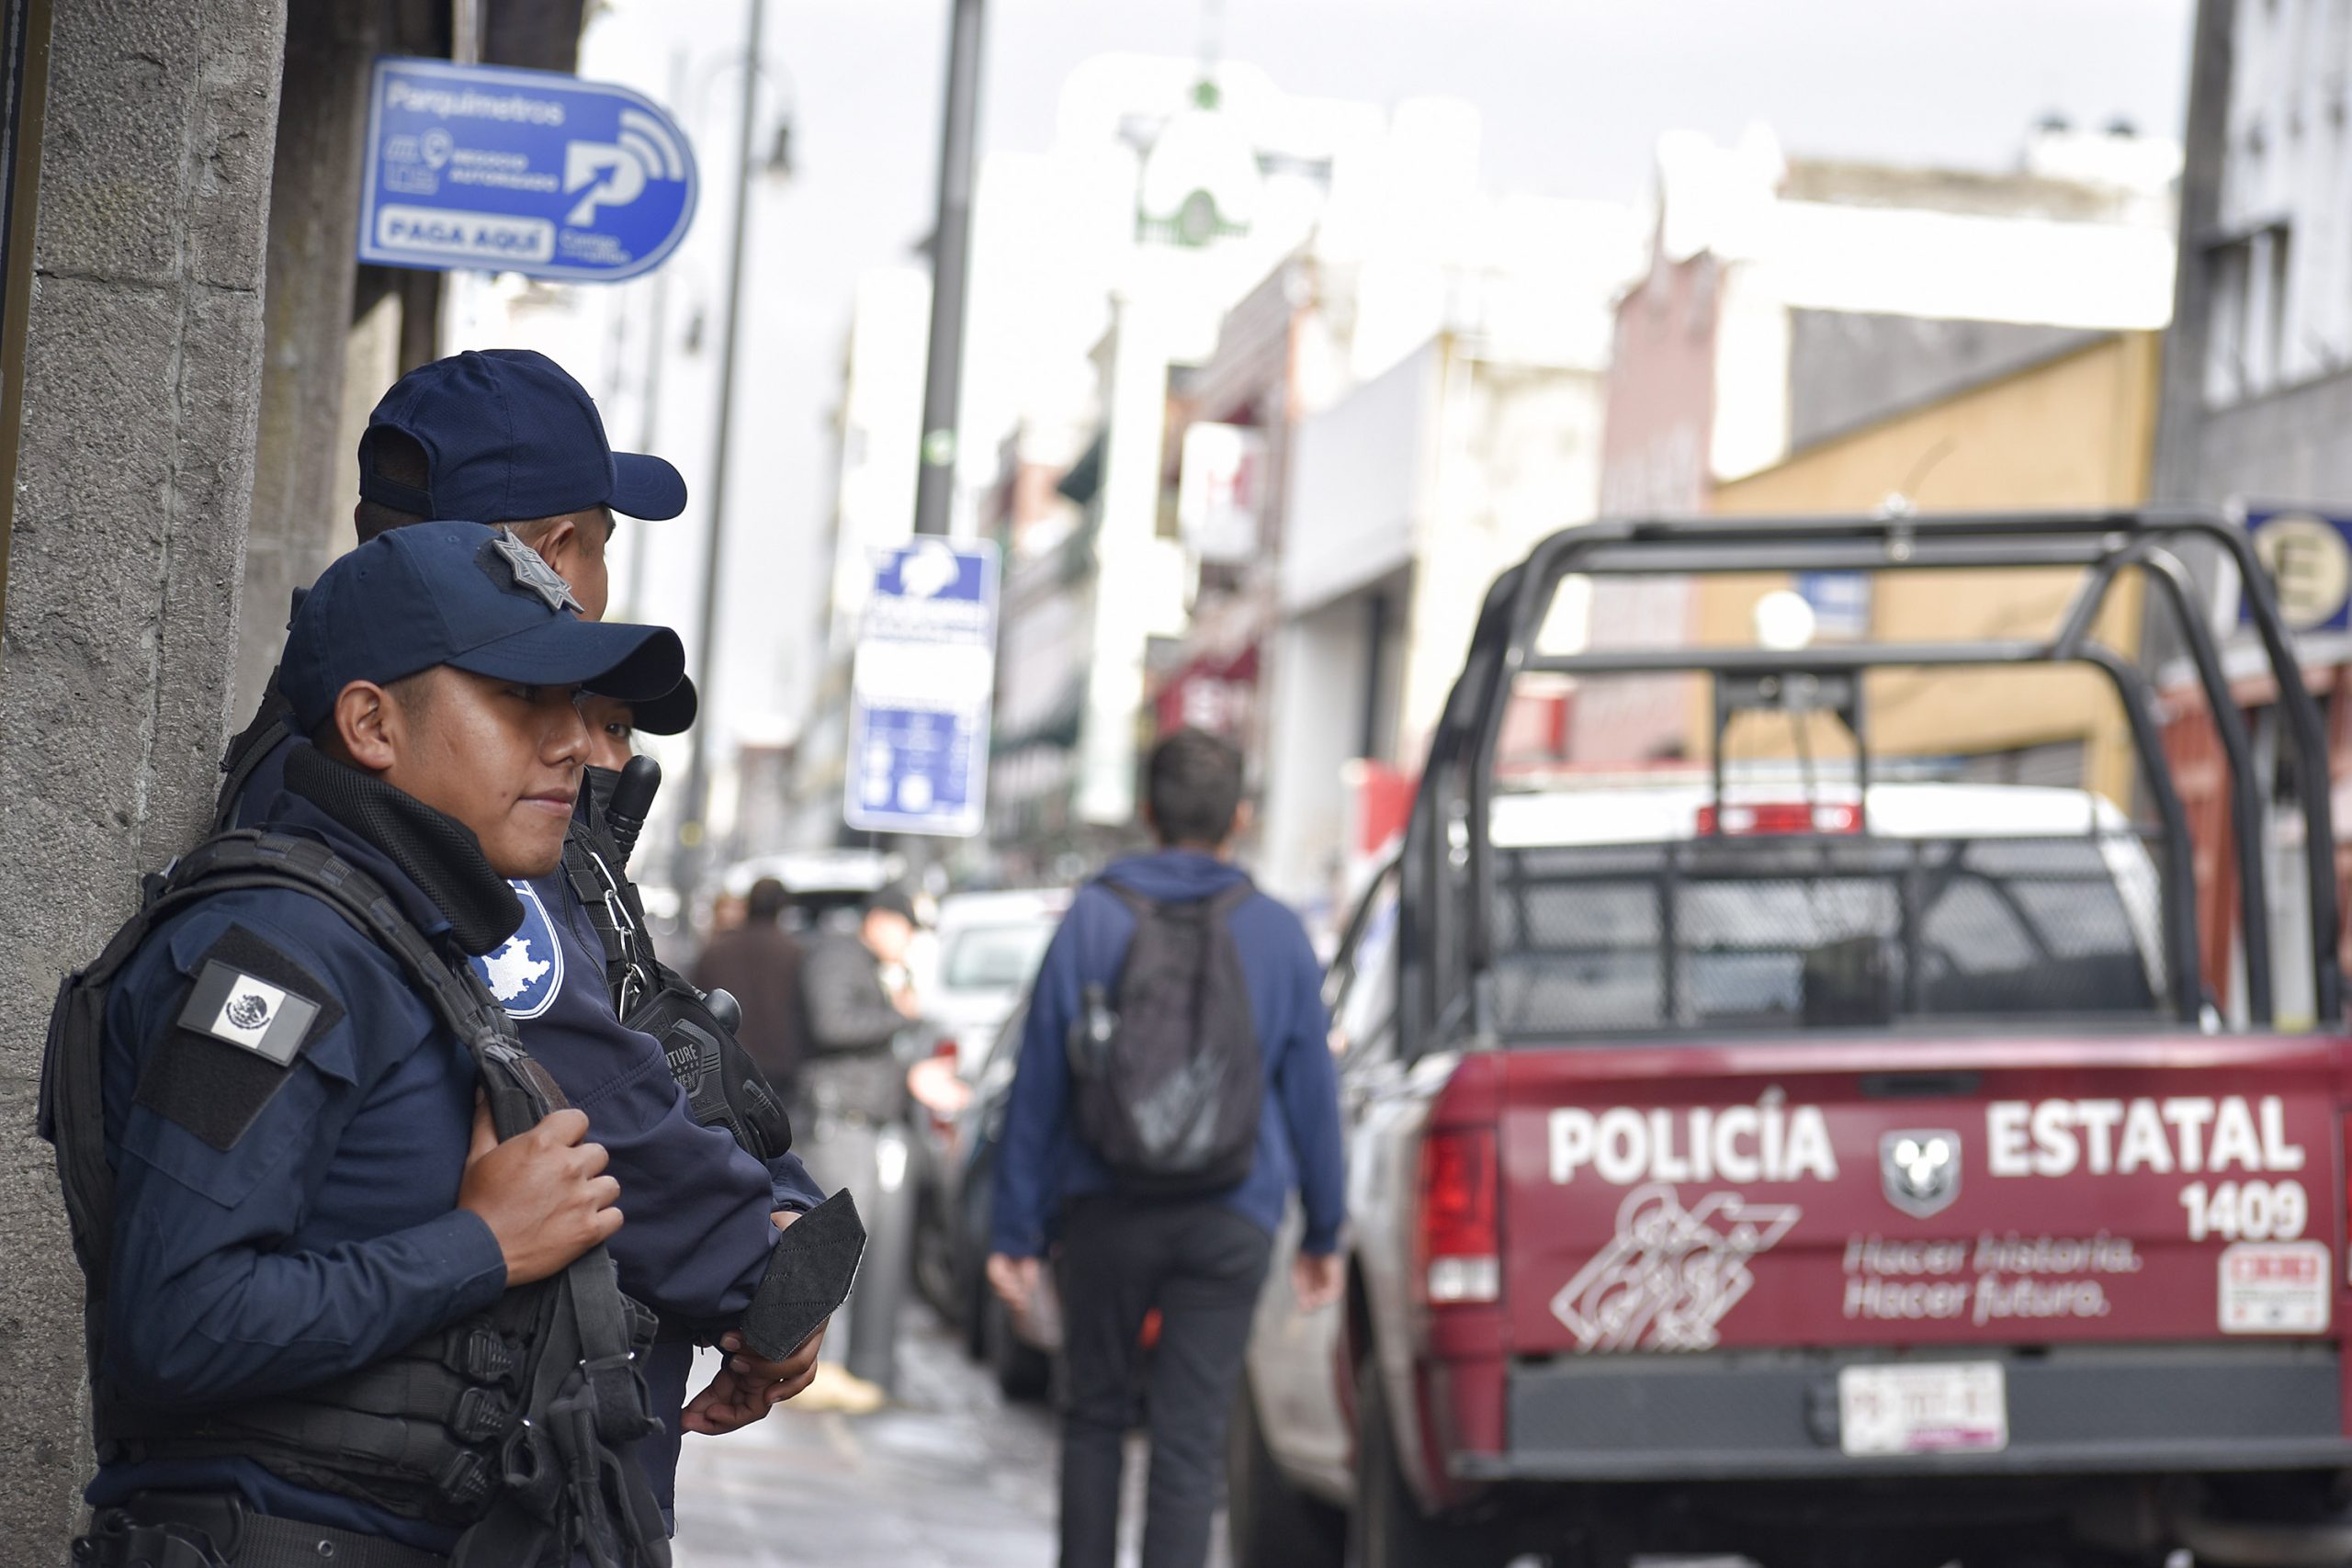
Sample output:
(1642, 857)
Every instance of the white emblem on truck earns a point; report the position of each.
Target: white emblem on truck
(1768, 1141)
(1668, 1276)
(1920, 1171)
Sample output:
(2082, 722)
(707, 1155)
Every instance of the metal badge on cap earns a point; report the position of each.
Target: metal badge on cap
(533, 573)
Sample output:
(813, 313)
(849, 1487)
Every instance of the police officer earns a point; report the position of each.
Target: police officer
(507, 435)
(275, 1100)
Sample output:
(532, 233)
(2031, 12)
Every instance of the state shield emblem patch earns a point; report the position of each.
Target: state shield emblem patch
(526, 972)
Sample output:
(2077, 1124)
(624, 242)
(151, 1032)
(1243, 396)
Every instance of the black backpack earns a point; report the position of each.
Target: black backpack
(1168, 1081)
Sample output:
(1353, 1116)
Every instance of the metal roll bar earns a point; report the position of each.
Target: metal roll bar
(2105, 544)
(2131, 690)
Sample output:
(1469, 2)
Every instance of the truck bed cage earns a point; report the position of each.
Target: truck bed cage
(1449, 847)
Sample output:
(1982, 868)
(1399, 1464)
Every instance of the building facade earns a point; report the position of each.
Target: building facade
(2076, 431)
(2256, 395)
(1407, 499)
(1786, 300)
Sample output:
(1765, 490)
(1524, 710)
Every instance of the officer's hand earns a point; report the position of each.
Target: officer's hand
(731, 1402)
(747, 1388)
(782, 1380)
(543, 1192)
(1014, 1280)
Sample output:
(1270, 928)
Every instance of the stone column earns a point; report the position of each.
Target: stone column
(300, 522)
(141, 377)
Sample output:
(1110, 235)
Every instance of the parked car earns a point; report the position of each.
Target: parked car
(1819, 1168)
(953, 1235)
(986, 952)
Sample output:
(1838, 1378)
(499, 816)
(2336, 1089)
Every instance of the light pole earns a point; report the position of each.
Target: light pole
(693, 829)
(951, 258)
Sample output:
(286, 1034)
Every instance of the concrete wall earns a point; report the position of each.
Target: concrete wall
(141, 374)
(1847, 368)
(1315, 725)
(300, 520)
(2287, 447)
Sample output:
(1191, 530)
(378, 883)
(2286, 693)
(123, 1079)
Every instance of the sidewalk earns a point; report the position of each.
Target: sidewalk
(949, 1478)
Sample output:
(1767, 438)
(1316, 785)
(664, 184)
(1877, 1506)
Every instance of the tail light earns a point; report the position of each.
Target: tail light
(1461, 1245)
(1793, 816)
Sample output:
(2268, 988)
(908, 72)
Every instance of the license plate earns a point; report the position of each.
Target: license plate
(1923, 1409)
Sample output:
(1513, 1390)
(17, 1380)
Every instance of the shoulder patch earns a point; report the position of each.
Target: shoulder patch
(525, 973)
(249, 1015)
(248, 1012)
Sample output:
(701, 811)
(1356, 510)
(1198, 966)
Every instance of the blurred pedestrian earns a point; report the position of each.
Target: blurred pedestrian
(859, 999)
(858, 1002)
(1175, 980)
(727, 911)
(759, 964)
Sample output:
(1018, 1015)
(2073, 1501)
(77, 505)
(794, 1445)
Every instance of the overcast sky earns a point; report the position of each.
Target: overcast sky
(1574, 94)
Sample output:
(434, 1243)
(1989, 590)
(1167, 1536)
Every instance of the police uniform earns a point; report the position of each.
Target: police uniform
(281, 1225)
(700, 1233)
(295, 1328)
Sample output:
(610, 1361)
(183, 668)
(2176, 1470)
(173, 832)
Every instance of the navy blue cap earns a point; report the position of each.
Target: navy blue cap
(673, 713)
(472, 597)
(510, 438)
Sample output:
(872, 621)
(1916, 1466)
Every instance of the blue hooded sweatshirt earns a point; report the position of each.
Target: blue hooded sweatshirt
(1044, 1164)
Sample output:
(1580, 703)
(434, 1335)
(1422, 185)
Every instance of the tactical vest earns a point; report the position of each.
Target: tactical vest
(725, 1088)
(518, 1424)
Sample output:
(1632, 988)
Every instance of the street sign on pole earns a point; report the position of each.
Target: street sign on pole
(500, 170)
(922, 691)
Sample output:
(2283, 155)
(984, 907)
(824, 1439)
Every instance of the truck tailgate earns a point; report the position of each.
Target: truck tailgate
(1921, 1193)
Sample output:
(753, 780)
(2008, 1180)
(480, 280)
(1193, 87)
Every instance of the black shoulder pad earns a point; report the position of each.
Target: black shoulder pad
(251, 1013)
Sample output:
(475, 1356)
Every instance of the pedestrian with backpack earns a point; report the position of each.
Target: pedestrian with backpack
(1175, 1087)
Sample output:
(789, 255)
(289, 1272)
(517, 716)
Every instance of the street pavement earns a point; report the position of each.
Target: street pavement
(948, 1476)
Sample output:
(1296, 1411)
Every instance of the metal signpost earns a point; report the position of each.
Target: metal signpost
(922, 692)
(475, 167)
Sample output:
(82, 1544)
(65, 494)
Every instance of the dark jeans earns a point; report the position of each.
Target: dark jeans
(1201, 1265)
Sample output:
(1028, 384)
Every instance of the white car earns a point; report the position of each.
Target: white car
(982, 956)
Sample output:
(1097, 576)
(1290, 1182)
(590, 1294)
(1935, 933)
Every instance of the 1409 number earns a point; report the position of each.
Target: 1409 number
(2246, 1210)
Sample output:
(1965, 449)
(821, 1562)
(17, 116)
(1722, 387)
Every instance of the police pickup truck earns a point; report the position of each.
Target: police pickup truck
(1824, 1167)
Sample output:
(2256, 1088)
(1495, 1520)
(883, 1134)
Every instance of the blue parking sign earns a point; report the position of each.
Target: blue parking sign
(923, 692)
(499, 170)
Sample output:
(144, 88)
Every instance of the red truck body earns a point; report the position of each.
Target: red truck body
(1703, 1201)
(1886, 1192)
